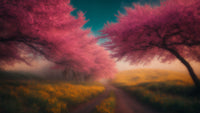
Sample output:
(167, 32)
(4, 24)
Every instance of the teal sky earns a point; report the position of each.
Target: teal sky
(98, 12)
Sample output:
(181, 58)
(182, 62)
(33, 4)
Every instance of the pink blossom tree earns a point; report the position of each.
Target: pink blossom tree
(167, 32)
(103, 65)
(88, 60)
(31, 27)
(47, 29)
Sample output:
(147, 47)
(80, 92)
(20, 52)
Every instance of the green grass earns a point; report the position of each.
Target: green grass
(12, 75)
(171, 95)
(167, 97)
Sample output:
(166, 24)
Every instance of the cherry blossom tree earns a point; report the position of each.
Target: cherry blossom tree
(87, 60)
(31, 26)
(167, 32)
(47, 29)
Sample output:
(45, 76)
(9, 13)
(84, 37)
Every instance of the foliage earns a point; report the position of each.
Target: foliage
(107, 105)
(46, 29)
(44, 97)
(162, 90)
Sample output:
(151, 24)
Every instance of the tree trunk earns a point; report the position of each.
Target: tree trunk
(188, 66)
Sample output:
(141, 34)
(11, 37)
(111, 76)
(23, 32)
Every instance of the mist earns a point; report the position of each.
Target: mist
(155, 64)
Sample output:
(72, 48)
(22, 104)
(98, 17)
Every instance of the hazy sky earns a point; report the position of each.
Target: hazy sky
(98, 12)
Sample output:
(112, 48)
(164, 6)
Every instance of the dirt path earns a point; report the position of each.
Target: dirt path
(90, 106)
(124, 103)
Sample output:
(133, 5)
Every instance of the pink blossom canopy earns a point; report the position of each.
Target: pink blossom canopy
(46, 28)
(143, 33)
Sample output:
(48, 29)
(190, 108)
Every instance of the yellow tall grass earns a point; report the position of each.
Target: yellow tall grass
(47, 97)
(137, 76)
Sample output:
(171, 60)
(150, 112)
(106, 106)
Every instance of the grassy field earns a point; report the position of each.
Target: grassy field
(167, 91)
(30, 95)
(107, 105)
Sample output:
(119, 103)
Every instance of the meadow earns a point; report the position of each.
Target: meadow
(31, 95)
(107, 105)
(166, 91)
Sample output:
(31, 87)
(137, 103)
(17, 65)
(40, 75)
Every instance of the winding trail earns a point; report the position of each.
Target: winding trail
(124, 103)
(127, 104)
